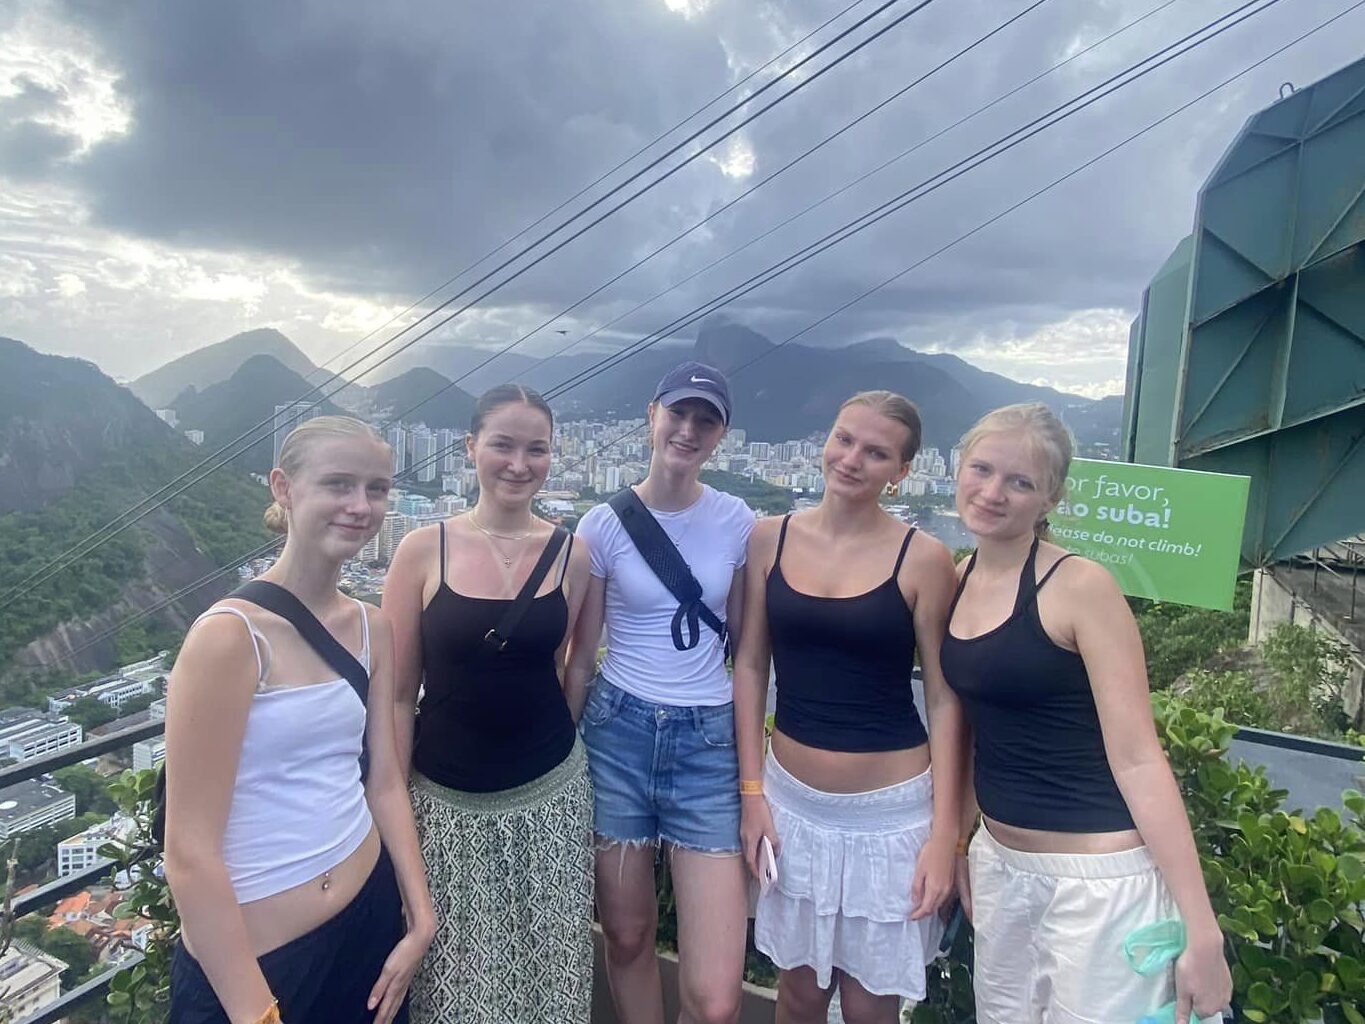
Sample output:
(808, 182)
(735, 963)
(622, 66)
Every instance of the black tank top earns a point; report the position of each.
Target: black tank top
(1039, 759)
(490, 720)
(844, 664)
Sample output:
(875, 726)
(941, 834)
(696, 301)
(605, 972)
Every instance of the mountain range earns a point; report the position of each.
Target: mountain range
(77, 451)
(780, 391)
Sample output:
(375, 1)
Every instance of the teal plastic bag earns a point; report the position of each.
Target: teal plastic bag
(1151, 949)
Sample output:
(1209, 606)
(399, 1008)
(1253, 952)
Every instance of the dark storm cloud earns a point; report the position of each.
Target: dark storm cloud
(383, 144)
(386, 147)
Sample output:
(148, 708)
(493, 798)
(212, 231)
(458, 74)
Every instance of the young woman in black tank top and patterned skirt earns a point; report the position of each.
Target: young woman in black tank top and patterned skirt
(839, 599)
(500, 787)
(1083, 837)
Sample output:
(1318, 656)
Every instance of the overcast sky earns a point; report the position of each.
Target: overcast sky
(172, 173)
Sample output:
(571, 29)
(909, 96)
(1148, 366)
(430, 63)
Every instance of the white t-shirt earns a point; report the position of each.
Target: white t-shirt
(712, 534)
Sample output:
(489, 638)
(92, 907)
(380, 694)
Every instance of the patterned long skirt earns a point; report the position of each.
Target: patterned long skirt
(511, 877)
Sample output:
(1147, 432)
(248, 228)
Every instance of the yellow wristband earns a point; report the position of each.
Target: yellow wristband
(271, 1015)
(751, 787)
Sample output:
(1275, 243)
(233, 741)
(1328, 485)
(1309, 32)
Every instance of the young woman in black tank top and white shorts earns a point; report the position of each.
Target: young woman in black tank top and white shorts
(500, 783)
(839, 599)
(1083, 837)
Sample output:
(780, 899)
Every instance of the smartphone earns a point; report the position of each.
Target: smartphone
(767, 864)
(950, 932)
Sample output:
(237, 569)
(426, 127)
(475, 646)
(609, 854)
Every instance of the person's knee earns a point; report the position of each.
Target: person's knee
(801, 996)
(859, 1006)
(629, 936)
(711, 1005)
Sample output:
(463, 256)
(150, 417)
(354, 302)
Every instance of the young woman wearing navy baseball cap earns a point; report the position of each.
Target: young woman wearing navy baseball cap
(658, 721)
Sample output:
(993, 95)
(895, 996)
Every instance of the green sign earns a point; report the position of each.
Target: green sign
(1167, 534)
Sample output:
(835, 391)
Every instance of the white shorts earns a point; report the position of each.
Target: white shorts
(1049, 935)
(842, 898)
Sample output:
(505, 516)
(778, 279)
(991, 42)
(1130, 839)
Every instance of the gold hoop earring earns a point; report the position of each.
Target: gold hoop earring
(891, 490)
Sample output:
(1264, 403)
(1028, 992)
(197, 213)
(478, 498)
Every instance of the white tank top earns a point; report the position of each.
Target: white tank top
(298, 806)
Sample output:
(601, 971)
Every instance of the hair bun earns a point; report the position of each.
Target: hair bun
(276, 520)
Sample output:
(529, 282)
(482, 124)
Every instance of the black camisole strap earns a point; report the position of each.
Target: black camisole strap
(900, 558)
(1029, 584)
(781, 540)
(1028, 579)
(1048, 575)
(441, 528)
(961, 585)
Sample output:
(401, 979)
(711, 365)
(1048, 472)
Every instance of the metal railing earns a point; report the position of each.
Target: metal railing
(1302, 744)
(78, 881)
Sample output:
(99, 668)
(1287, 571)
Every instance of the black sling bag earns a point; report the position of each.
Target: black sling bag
(274, 598)
(663, 557)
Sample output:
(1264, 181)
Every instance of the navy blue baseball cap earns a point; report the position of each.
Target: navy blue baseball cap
(696, 380)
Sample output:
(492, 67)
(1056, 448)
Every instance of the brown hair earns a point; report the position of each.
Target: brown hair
(1045, 433)
(294, 454)
(507, 394)
(894, 407)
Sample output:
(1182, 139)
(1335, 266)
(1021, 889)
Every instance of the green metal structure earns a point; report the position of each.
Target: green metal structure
(1248, 355)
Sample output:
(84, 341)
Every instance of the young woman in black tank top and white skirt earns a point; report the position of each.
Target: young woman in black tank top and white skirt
(864, 833)
(500, 784)
(1083, 837)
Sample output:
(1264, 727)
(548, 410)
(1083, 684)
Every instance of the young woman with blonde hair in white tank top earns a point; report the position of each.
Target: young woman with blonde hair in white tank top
(301, 890)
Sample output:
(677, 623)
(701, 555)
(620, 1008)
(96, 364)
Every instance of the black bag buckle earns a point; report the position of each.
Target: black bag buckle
(499, 643)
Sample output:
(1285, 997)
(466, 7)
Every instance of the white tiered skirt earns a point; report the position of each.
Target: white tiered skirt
(842, 898)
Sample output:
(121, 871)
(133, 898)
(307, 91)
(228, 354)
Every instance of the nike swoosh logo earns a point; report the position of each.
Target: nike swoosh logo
(700, 380)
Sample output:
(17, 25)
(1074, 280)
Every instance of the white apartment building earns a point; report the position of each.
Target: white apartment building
(32, 804)
(29, 980)
(424, 457)
(26, 733)
(112, 690)
(148, 754)
(449, 504)
(83, 851)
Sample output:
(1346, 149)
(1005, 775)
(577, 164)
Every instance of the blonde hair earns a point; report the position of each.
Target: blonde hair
(294, 454)
(893, 407)
(1043, 431)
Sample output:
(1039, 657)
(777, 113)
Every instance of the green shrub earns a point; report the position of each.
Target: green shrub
(142, 995)
(1294, 683)
(1234, 693)
(1310, 670)
(1178, 637)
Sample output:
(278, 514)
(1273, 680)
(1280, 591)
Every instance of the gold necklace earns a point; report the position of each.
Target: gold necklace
(473, 518)
(502, 555)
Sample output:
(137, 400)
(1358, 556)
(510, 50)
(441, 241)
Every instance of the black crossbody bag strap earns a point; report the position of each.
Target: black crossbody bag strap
(666, 561)
(274, 598)
(499, 636)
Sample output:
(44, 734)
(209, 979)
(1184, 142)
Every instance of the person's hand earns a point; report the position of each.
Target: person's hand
(1203, 983)
(755, 822)
(933, 881)
(962, 876)
(402, 963)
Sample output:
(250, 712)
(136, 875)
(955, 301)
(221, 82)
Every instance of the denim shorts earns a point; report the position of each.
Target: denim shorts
(661, 772)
